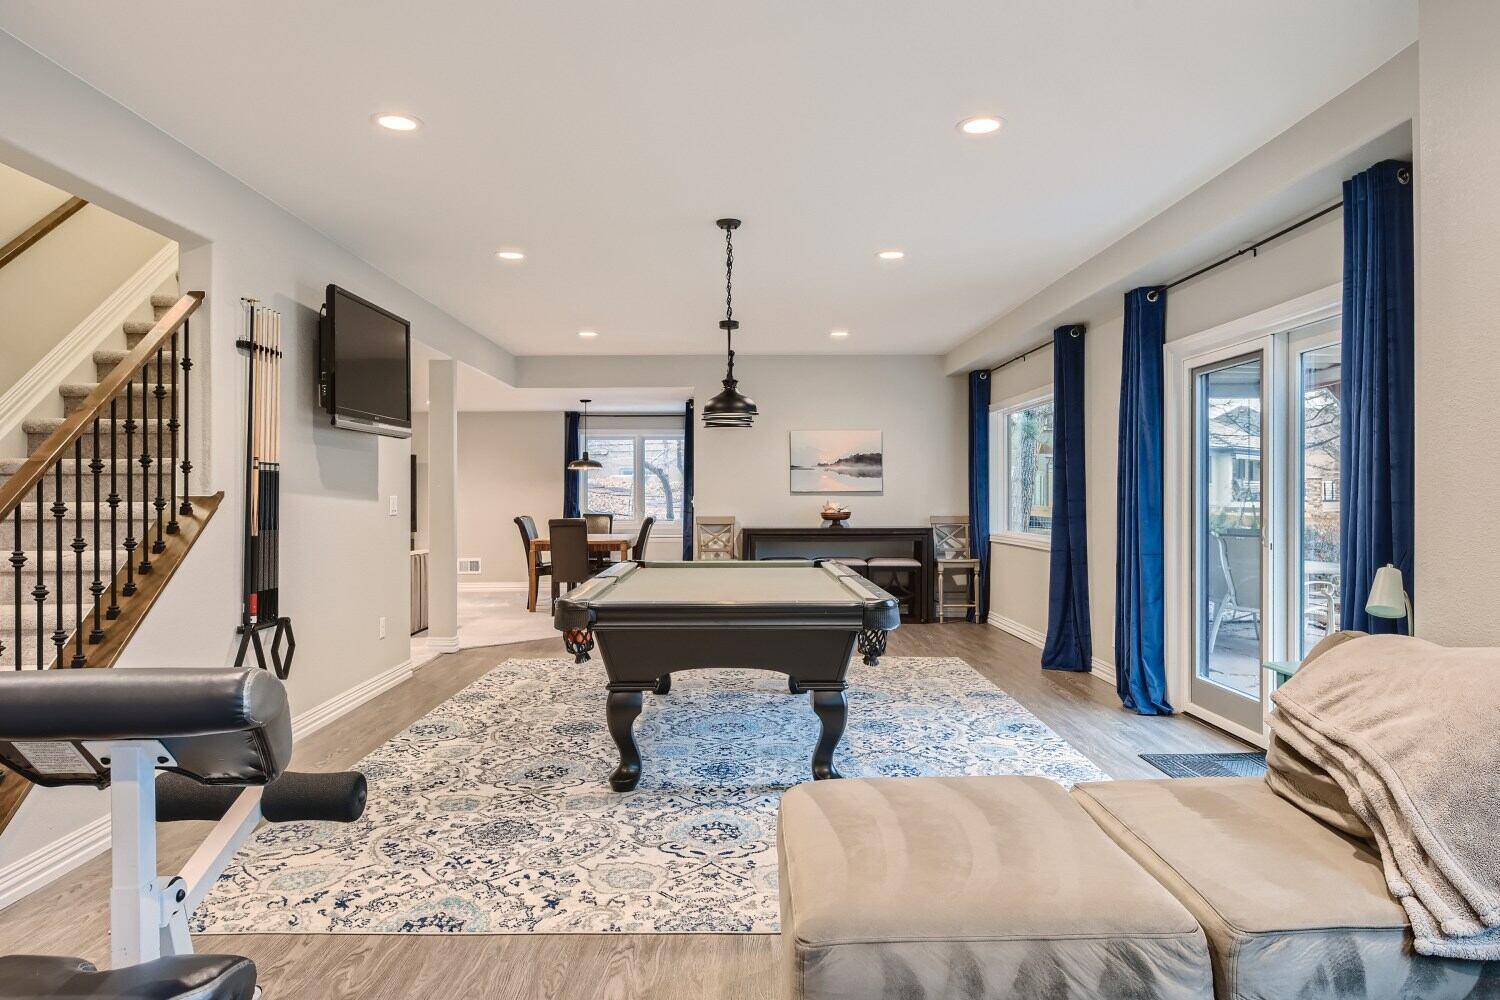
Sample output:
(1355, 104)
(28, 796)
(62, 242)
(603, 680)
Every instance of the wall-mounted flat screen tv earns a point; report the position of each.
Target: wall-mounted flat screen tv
(365, 355)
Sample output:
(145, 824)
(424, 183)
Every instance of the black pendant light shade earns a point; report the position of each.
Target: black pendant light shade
(584, 463)
(730, 408)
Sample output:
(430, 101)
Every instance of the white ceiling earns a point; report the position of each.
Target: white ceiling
(604, 138)
(479, 393)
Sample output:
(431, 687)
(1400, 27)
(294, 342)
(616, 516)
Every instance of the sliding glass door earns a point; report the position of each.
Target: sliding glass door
(1229, 537)
(1256, 528)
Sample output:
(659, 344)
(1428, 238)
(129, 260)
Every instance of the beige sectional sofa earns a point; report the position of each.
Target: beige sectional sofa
(1007, 887)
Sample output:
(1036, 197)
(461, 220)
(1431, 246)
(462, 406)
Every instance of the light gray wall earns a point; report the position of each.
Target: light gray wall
(508, 464)
(65, 276)
(1310, 259)
(744, 472)
(344, 562)
(1458, 352)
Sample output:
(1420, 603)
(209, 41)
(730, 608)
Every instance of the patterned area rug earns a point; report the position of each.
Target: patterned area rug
(492, 815)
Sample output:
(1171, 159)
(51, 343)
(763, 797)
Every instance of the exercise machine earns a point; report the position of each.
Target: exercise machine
(169, 745)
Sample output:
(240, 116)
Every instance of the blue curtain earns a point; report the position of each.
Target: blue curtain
(1070, 643)
(979, 484)
(1378, 417)
(687, 482)
(1140, 669)
(571, 453)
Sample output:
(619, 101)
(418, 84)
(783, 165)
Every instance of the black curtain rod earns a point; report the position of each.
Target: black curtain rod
(1251, 249)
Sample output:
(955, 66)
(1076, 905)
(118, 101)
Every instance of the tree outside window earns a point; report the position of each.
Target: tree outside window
(642, 476)
(1028, 448)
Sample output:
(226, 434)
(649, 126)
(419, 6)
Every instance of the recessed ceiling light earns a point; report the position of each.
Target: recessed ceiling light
(980, 125)
(838, 333)
(396, 122)
(510, 255)
(891, 254)
(588, 333)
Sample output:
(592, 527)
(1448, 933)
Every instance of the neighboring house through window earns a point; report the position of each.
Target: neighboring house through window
(1021, 453)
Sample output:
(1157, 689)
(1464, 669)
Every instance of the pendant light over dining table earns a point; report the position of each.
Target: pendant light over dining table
(730, 408)
(583, 463)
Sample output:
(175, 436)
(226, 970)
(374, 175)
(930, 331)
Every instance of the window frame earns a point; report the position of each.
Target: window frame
(639, 437)
(1000, 530)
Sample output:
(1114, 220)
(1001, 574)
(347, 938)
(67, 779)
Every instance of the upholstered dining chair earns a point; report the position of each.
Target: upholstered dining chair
(600, 524)
(536, 566)
(570, 552)
(638, 550)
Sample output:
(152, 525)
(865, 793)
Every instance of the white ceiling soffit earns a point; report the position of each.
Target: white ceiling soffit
(603, 139)
(479, 393)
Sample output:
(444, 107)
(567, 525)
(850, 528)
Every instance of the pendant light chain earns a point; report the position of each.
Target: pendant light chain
(729, 295)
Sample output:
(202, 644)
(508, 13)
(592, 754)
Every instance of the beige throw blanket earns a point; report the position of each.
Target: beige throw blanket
(1410, 731)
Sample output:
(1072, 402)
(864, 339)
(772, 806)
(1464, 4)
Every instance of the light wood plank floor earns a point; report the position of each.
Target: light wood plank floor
(73, 918)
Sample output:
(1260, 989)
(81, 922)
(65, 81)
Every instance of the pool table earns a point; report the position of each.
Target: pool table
(797, 618)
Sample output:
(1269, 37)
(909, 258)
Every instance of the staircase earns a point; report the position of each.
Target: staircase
(99, 515)
(132, 415)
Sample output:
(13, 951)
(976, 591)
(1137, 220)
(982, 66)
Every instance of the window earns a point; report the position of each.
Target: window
(642, 476)
(1023, 477)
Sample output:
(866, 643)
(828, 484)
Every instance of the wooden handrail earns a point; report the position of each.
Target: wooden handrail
(39, 229)
(55, 449)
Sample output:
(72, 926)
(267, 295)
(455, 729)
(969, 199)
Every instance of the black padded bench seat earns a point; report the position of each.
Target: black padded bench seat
(185, 977)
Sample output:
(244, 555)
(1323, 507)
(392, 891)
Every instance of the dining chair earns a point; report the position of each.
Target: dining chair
(570, 552)
(638, 551)
(536, 566)
(600, 524)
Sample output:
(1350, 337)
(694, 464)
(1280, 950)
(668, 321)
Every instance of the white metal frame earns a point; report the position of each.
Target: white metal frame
(1259, 331)
(1000, 472)
(148, 914)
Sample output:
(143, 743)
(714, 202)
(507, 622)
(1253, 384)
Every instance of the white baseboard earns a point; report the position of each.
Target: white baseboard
(26, 875)
(491, 588)
(32, 388)
(1015, 628)
(442, 643)
(1104, 671)
(1099, 668)
(341, 705)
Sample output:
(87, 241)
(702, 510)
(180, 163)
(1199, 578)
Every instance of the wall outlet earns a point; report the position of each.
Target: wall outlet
(382, 626)
(395, 504)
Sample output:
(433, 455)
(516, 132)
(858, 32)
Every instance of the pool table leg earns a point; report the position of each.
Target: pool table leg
(833, 712)
(621, 711)
(792, 685)
(663, 685)
(872, 645)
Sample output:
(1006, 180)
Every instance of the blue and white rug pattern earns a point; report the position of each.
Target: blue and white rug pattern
(491, 815)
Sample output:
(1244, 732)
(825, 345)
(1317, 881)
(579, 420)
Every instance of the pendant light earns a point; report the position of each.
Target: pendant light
(729, 408)
(585, 463)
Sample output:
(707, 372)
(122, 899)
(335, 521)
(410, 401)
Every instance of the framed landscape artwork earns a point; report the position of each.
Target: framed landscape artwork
(837, 462)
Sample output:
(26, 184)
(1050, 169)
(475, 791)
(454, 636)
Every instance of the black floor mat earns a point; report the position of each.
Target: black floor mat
(1208, 765)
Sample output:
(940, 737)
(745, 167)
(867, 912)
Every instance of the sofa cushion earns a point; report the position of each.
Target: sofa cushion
(990, 887)
(1292, 908)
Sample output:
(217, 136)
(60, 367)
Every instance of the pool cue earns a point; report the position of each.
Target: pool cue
(273, 477)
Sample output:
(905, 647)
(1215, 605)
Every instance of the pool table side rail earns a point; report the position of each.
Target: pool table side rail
(578, 610)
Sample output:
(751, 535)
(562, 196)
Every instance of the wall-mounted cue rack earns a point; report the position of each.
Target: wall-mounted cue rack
(260, 608)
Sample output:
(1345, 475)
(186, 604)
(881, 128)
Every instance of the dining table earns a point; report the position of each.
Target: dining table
(603, 543)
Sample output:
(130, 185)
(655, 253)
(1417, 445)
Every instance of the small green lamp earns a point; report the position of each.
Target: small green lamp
(1388, 597)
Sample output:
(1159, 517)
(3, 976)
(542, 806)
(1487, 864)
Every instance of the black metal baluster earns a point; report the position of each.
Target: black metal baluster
(172, 428)
(187, 421)
(145, 566)
(59, 511)
(18, 561)
(114, 511)
(160, 545)
(129, 545)
(96, 586)
(39, 592)
(78, 546)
